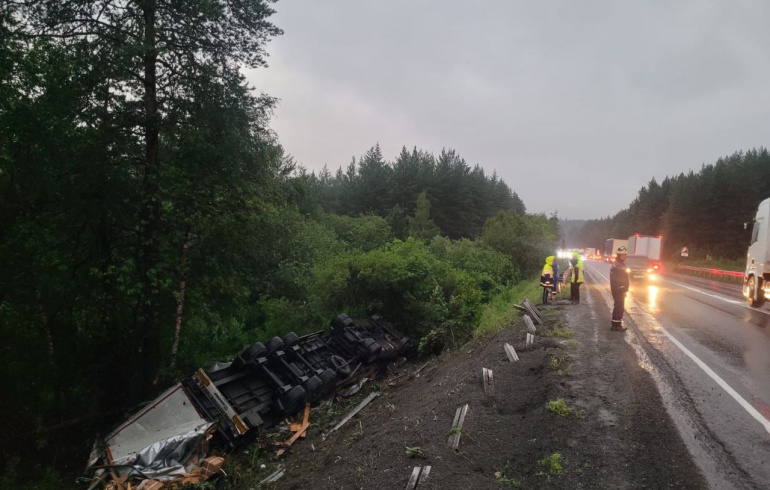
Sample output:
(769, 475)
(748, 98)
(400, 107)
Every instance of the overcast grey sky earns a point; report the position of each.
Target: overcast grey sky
(575, 103)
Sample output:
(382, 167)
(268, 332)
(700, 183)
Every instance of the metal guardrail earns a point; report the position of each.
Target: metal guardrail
(712, 273)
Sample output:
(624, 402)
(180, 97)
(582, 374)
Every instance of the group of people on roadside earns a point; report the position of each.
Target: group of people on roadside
(575, 275)
(551, 281)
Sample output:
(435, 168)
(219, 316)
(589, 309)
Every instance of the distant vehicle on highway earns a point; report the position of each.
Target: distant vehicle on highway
(641, 267)
(756, 279)
(648, 246)
(611, 246)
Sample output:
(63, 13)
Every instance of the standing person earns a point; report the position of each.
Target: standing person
(555, 288)
(577, 278)
(619, 288)
(546, 278)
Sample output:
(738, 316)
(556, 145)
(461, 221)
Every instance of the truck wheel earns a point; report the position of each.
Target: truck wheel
(328, 377)
(751, 290)
(292, 399)
(372, 349)
(312, 385)
(341, 367)
(755, 289)
(253, 352)
(275, 344)
(290, 339)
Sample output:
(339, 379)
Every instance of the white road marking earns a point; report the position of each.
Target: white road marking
(706, 369)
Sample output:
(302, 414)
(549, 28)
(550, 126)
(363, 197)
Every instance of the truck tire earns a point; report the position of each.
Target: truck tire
(253, 352)
(372, 349)
(275, 344)
(340, 366)
(755, 289)
(290, 339)
(292, 399)
(312, 385)
(328, 378)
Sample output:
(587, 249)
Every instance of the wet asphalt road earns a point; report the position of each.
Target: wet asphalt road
(709, 354)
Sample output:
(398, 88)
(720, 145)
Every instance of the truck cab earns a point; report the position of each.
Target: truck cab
(756, 279)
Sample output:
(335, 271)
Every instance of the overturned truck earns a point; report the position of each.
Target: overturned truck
(228, 404)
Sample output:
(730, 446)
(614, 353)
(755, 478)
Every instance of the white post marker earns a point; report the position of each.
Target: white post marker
(453, 440)
(510, 352)
(489, 381)
(530, 325)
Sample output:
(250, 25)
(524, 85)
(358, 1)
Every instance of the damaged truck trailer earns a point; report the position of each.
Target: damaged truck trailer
(227, 405)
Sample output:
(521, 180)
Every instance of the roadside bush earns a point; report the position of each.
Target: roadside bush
(404, 282)
(527, 239)
(490, 269)
(365, 232)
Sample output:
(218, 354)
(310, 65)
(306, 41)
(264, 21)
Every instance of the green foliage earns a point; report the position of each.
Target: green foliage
(420, 225)
(462, 198)
(365, 232)
(501, 479)
(405, 283)
(559, 407)
(499, 312)
(414, 452)
(398, 222)
(526, 238)
(551, 464)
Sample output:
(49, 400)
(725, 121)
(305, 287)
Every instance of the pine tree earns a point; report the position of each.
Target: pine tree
(421, 225)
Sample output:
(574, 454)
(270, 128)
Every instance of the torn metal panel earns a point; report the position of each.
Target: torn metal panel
(170, 417)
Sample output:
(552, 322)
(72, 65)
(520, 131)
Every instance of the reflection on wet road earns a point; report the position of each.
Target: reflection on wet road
(710, 354)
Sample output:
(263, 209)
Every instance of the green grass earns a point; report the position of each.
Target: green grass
(414, 452)
(501, 479)
(565, 333)
(561, 364)
(738, 265)
(559, 407)
(499, 313)
(551, 465)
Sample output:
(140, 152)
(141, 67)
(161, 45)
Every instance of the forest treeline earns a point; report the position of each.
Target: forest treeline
(704, 211)
(151, 223)
(461, 197)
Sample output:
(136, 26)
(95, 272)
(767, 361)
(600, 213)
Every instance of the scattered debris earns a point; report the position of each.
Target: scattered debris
(360, 407)
(274, 477)
(419, 475)
(352, 390)
(299, 431)
(453, 440)
(489, 382)
(510, 352)
(419, 370)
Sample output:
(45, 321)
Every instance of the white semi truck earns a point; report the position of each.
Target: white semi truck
(756, 279)
(611, 246)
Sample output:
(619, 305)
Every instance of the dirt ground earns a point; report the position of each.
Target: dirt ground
(618, 435)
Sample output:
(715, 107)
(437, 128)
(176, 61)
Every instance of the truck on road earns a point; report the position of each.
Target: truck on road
(611, 246)
(756, 279)
(647, 246)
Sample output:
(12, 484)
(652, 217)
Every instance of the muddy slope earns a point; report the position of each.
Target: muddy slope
(618, 436)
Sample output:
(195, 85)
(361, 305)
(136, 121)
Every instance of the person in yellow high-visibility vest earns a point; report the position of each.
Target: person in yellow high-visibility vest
(546, 278)
(577, 278)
